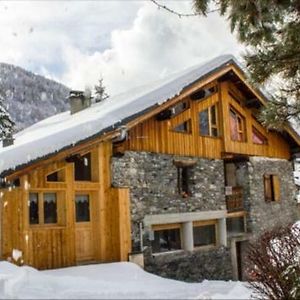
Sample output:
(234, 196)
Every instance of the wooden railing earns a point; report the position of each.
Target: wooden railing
(234, 202)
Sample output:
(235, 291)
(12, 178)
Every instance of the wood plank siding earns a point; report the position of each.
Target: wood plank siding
(158, 136)
(102, 233)
(66, 243)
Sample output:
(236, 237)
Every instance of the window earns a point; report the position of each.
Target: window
(58, 176)
(271, 188)
(179, 107)
(204, 235)
(82, 207)
(166, 239)
(50, 208)
(204, 93)
(183, 181)
(184, 127)
(237, 126)
(33, 208)
(235, 225)
(208, 122)
(82, 167)
(173, 111)
(258, 138)
(42, 208)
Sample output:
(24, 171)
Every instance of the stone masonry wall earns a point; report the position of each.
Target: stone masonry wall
(152, 179)
(212, 264)
(266, 215)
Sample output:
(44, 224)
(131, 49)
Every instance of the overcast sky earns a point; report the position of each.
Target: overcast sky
(128, 43)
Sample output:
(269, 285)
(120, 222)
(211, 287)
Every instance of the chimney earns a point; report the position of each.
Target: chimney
(79, 100)
(8, 141)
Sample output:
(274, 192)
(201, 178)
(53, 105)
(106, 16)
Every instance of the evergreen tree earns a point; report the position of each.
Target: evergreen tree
(6, 124)
(100, 93)
(271, 31)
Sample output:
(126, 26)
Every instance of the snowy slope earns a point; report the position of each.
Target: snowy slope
(63, 130)
(108, 281)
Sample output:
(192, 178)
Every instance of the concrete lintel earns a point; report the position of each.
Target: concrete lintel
(184, 217)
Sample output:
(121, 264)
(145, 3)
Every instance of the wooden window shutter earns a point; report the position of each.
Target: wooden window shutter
(276, 187)
(268, 188)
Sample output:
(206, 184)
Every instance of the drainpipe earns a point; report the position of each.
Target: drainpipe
(141, 237)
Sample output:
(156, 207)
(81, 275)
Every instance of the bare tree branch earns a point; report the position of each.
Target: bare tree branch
(179, 14)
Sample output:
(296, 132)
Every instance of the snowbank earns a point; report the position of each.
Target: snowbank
(108, 281)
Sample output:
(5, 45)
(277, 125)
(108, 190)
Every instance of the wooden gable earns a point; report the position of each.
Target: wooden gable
(220, 103)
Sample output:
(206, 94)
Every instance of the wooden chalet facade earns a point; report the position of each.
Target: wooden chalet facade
(78, 204)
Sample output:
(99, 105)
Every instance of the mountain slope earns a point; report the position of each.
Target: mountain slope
(29, 97)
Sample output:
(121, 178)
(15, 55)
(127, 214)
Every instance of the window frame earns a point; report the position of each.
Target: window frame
(211, 126)
(41, 212)
(188, 130)
(271, 184)
(203, 224)
(89, 194)
(241, 125)
(170, 226)
(237, 215)
(208, 90)
(256, 132)
(184, 179)
(61, 176)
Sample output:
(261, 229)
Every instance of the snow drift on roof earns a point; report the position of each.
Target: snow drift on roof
(64, 130)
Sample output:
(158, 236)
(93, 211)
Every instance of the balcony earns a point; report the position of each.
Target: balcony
(234, 202)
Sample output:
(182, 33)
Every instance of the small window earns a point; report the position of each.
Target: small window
(33, 208)
(204, 235)
(208, 122)
(271, 188)
(173, 111)
(82, 205)
(42, 208)
(258, 138)
(237, 126)
(50, 208)
(179, 107)
(53, 177)
(82, 166)
(166, 240)
(204, 93)
(235, 225)
(58, 176)
(184, 127)
(183, 181)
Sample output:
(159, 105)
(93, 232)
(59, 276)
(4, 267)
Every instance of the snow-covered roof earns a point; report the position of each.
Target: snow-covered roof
(65, 130)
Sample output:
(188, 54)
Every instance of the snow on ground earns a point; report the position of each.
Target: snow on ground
(108, 281)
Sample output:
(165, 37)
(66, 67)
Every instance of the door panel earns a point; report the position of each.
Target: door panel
(83, 228)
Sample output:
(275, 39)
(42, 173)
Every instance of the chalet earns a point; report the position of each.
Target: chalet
(177, 176)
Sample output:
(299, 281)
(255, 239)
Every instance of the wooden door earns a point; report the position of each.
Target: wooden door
(83, 228)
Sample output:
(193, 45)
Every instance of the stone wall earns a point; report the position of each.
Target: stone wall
(152, 179)
(213, 264)
(266, 215)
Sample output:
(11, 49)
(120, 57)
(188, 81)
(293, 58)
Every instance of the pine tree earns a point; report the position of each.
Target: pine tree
(271, 31)
(100, 93)
(6, 124)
